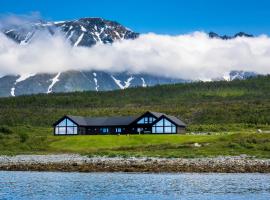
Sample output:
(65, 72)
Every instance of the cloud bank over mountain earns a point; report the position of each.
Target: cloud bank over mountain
(191, 56)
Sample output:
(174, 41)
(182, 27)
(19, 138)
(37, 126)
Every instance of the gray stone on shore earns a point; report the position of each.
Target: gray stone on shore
(75, 162)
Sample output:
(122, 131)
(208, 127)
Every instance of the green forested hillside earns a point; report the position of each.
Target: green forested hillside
(230, 112)
(238, 102)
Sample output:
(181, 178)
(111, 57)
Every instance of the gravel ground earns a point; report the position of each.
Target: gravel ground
(75, 162)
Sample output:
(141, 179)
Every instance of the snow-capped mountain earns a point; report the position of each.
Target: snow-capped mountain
(83, 32)
(240, 75)
(236, 75)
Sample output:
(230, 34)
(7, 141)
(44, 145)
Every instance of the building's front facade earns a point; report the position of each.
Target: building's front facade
(148, 123)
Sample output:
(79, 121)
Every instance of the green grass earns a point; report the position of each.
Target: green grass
(39, 140)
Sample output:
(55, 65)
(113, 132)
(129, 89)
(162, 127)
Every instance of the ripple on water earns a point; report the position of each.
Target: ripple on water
(129, 186)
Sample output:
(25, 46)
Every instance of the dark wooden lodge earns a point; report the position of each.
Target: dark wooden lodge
(148, 123)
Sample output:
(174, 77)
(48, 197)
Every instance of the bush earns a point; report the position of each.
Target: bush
(23, 137)
(5, 130)
(233, 145)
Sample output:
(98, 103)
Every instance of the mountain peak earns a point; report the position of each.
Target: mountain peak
(243, 34)
(81, 32)
(226, 37)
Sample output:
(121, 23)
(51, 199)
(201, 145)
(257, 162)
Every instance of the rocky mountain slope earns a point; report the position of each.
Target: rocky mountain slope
(76, 81)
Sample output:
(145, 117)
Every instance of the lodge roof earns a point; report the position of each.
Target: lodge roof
(117, 121)
(102, 121)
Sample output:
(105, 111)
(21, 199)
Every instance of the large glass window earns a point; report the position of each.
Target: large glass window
(146, 120)
(164, 126)
(66, 127)
(118, 130)
(104, 130)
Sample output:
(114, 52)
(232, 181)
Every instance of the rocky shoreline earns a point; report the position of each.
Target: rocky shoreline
(78, 163)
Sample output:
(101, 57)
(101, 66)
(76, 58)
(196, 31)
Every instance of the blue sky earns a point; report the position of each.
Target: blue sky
(164, 17)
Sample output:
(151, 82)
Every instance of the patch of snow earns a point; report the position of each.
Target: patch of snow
(143, 82)
(9, 31)
(117, 34)
(236, 76)
(94, 38)
(98, 36)
(24, 77)
(27, 38)
(83, 29)
(227, 77)
(126, 85)
(59, 22)
(101, 31)
(95, 80)
(128, 82)
(96, 83)
(20, 79)
(79, 40)
(54, 80)
(70, 28)
(118, 82)
(71, 34)
(12, 91)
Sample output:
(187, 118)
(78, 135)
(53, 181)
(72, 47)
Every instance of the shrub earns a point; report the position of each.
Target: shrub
(23, 137)
(5, 130)
(233, 145)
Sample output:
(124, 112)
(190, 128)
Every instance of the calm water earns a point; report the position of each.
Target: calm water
(118, 186)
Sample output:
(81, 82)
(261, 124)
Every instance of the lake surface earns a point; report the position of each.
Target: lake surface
(131, 186)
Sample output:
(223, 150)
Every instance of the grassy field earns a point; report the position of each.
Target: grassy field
(34, 140)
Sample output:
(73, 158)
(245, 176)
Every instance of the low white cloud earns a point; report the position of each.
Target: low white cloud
(190, 56)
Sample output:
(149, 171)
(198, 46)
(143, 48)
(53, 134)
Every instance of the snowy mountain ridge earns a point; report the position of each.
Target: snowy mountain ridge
(83, 32)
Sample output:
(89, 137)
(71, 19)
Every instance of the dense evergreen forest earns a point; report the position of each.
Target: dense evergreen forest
(219, 104)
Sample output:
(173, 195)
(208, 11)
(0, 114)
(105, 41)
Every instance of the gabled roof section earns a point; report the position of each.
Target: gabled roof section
(102, 121)
(77, 119)
(156, 114)
(175, 120)
(68, 117)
